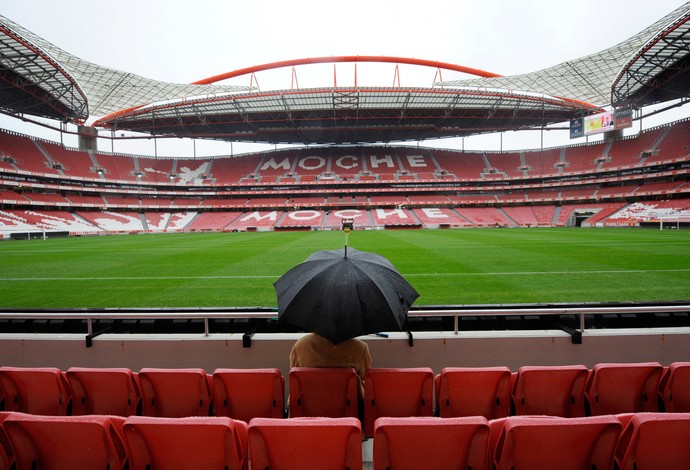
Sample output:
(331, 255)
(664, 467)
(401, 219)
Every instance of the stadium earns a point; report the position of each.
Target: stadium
(141, 260)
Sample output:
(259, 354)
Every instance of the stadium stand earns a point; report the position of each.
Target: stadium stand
(72, 163)
(472, 401)
(211, 221)
(114, 221)
(521, 193)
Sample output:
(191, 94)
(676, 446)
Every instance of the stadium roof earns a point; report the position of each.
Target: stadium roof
(647, 68)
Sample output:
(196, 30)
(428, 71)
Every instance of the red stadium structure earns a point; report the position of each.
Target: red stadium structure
(354, 155)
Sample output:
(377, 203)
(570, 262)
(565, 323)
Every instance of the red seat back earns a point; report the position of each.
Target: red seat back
(207, 442)
(35, 390)
(6, 452)
(248, 393)
(623, 388)
(299, 443)
(465, 391)
(61, 442)
(655, 440)
(397, 392)
(431, 443)
(675, 392)
(104, 391)
(174, 393)
(551, 391)
(564, 443)
(323, 392)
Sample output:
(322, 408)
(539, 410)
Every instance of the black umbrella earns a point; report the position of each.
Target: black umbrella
(340, 294)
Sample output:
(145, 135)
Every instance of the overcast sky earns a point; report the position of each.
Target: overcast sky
(183, 41)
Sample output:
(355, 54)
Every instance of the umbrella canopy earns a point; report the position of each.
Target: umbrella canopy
(341, 294)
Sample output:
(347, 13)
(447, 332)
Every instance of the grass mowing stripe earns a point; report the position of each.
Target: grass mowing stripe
(276, 276)
(445, 266)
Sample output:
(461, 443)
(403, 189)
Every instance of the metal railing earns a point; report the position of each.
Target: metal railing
(456, 312)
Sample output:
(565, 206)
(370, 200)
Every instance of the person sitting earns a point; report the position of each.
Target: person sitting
(313, 350)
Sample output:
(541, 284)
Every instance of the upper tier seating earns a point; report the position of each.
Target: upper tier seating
(115, 168)
(507, 164)
(674, 144)
(543, 162)
(73, 163)
(26, 155)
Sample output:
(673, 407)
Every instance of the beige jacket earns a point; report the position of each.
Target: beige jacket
(313, 350)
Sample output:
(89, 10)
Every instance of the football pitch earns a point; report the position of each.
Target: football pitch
(447, 267)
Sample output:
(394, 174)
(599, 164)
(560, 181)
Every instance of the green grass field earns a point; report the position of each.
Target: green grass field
(484, 266)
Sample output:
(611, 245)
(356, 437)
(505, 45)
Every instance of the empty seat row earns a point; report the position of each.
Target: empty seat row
(238, 393)
(565, 391)
(633, 441)
(492, 392)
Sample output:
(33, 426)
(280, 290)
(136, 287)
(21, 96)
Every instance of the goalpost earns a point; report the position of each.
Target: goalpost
(673, 221)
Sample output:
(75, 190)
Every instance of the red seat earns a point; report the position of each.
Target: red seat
(207, 442)
(35, 390)
(6, 452)
(248, 393)
(655, 440)
(464, 391)
(323, 392)
(541, 443)
(675, 388)
(623, 388)
(299, 443)
(66, 442)
(397, 392)
(551, 391)
(101, 391)
(174, 393)
(431, 443)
